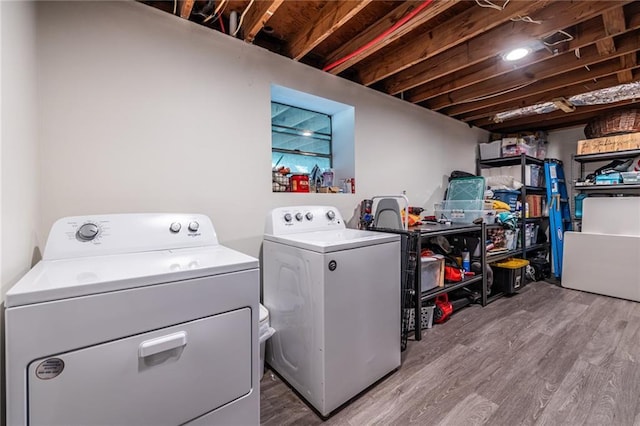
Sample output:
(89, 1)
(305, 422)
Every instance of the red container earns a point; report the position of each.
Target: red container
(299, 183)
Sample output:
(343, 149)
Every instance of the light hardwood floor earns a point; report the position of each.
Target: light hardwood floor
(546, 356)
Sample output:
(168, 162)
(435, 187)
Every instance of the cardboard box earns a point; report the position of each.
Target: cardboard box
(609, 144)
(535, 205)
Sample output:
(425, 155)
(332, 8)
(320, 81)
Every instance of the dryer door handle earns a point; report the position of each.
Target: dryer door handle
(162, 344)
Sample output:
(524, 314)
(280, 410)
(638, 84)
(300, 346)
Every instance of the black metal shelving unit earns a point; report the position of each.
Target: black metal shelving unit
(521, 160)
(411, 270)
(620, 189)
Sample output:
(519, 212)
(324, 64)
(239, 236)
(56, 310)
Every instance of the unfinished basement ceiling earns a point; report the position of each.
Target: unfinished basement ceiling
(447, 55)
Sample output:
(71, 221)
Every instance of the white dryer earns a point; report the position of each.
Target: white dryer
(135, 319)
(333, 296)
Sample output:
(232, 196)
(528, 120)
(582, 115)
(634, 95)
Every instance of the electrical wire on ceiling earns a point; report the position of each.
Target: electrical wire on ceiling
(489, 4)
(242, 17)
(526, 19)
(493, 95)
(223, 3)
(380, 37)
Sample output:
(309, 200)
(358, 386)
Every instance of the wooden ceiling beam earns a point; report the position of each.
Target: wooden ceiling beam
(590, 83)
(331, 17)
(373, 31)
(558, 84)
(186, 7)
(555, 66)
(258, 16)
(626, 62)
(556, 117)
(585, 35)
(614, 23)
(473, 22)
(555, 16)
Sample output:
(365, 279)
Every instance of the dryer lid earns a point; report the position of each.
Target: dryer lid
(331, 241)
(53, 280)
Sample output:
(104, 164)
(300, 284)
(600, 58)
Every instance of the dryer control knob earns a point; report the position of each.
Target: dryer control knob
(87, 232)
(194, 226)
(175, 227)
(287, 217)
(299, 217)
(309, 216)
(331, 214)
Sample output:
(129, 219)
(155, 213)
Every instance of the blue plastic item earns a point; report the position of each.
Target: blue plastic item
(507, 196)
(578, 204)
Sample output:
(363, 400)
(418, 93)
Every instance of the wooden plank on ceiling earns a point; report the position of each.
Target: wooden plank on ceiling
(471, 23)
(185, 8)
(556, 16)
(558, 84)
(380, 27)
(258, 16)
(614, 23)
(561, 64)
(586, 34)
(331, 17)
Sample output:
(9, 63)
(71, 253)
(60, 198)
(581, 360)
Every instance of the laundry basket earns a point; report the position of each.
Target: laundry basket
(265, 332)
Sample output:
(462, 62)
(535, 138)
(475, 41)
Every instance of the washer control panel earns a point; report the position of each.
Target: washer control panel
(80, 236)
(295, 219)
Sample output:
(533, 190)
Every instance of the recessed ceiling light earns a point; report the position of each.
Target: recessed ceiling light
(516, 54)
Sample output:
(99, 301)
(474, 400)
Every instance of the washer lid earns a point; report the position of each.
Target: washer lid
(60, 279)
(331, 241)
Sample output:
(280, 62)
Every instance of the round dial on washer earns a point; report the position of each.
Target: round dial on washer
(287, 217)
(87, 232)
(175, 227)
(193, 226)
(299, 216)
(331, 214)
(309, 216)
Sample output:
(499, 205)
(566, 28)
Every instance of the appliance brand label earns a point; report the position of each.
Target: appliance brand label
(49, 368)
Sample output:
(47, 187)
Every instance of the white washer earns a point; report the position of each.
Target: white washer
(138, 319)
(333, 296)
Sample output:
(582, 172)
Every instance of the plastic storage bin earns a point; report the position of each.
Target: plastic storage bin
(432, 275)
(508, 276)
(507, 196)
(490, 150)
(464, 211)
(426, 318)
(265, 332)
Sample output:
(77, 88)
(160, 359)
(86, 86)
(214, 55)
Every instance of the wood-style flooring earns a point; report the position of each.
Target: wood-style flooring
(546, 356)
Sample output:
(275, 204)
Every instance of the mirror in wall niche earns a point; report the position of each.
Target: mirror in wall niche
(312, 143)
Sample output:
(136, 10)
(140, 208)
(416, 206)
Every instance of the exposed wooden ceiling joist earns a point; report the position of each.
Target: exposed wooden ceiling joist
(627, 62)
(557, 65)
(559, 83)
(258, 16)
(558, 15)
(331, 17)
(447, 35)
(380, 27)
(186, 7)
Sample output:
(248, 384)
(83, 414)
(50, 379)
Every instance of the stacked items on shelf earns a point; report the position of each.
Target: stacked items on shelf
(532, 144)
(464, 202)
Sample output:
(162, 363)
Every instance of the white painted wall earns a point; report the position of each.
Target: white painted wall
(142, 111)
(19, 142)
(562, 145)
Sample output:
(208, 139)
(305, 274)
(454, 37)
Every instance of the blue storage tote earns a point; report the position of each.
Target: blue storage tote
(507, 196)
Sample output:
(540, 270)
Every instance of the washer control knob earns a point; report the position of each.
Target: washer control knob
(309, 216)
(331, 214)
(194, 226)
(287, 217)
(175, 227)
(87, 232)
(299, 217)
